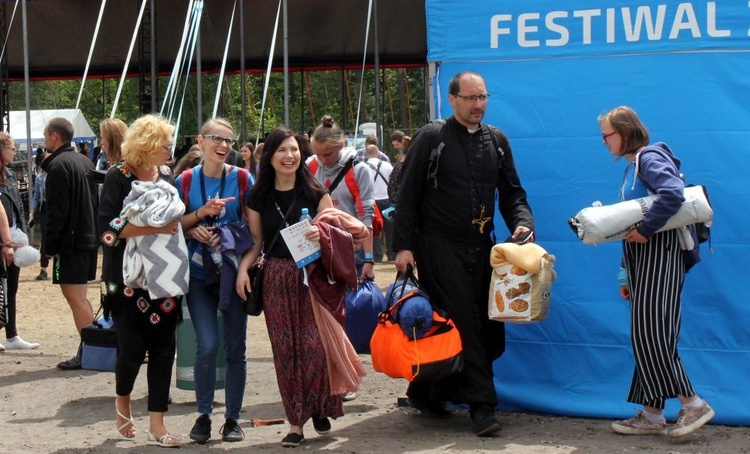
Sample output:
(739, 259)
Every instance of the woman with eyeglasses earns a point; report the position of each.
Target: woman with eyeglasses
(11, 201)
(144, 325)
(215, 193)
(654, 270)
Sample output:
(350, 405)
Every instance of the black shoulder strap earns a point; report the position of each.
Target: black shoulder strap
(491, 136)
(349, 164)
(377, 171)
(437, 147)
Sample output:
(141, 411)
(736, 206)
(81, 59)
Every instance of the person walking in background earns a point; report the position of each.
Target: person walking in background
(14, 217)
(397, 140)
(111, 133)
(38, 211)
(395, 179)
(285, 186)
(248, 157)
(381, 171)
(144, 325)
(71, 204)
(214, 193)
(371, 139)
(452, 252)
(192, 158)
(331, 163)
(652, 279)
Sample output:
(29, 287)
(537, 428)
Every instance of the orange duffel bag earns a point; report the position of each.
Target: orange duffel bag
(434, 354)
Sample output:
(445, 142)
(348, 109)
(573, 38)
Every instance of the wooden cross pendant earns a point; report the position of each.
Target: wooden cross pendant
(481, 221)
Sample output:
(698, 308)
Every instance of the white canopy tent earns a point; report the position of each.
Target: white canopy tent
(39, 119)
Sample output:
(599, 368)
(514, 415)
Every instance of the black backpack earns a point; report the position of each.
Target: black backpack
(490, 137)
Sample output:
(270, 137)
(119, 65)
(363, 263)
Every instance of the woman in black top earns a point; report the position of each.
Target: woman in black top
(285, 185)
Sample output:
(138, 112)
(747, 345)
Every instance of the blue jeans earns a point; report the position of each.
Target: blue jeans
(203, 305)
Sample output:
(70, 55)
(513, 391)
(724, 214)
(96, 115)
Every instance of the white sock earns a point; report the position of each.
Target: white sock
(654, 417)
(695, 403)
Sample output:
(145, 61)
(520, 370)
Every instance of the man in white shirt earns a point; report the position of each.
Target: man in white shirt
(381, 171)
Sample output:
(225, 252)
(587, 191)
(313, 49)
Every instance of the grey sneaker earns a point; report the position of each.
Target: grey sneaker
(639, 425)
(691, 419)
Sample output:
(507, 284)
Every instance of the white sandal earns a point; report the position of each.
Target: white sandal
(128, 422)
(165, 441)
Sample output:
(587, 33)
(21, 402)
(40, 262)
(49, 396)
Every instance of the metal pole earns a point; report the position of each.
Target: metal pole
(378, 113)
(198, 89)
(243, 95)
(286, 67)
(27, 98)
(154, 75)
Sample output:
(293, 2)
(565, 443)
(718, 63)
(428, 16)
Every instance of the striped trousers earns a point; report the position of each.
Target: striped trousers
(656, 273)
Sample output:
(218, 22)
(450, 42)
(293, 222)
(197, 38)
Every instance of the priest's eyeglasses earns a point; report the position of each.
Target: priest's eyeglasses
(475, 98)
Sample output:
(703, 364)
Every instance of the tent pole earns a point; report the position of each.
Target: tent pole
(430, 86)
(198, 81)
(378, 107)
(29, 191)
(243, 94)
(286, 66)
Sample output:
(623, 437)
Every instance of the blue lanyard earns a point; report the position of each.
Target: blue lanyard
(212, 219)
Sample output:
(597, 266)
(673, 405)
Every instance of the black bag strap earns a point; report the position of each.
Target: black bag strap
(349, 164)
(377, 171)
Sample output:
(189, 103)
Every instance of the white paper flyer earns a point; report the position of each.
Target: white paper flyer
(303, 251)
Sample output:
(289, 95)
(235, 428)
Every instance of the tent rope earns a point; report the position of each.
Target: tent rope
(7, 33)
(91, 52)
(193, 39)
(224, 62)
(362, 73)
(127, 59)
(177, 68)
(268, 73)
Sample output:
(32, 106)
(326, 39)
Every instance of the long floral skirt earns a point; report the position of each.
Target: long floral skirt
(298, 354)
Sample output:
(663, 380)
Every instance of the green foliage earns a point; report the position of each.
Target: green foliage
(312, 94)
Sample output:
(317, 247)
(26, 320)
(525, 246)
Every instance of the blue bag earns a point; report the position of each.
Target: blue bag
(362, 310)
(99, 346)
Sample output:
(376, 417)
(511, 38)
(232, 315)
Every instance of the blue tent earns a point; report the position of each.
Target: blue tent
(551, 68)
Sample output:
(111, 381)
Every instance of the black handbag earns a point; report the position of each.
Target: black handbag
(254, 303)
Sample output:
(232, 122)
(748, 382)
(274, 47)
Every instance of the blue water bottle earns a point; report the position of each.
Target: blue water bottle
(305, 215)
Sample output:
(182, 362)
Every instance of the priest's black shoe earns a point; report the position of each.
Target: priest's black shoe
(483, 419)
(431, 407)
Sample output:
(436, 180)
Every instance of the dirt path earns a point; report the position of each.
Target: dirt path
(43, 410)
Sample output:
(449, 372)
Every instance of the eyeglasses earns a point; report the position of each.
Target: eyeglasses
(604, 136)
(218, 139)
(474, 98)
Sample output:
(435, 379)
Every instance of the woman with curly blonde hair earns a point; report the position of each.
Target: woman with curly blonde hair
(143, 324)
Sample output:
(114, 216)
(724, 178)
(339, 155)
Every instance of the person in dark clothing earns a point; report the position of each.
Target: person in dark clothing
(13, 211)
(443, 225)
(69, 230)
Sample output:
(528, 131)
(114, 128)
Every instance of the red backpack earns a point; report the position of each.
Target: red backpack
(351, 184)
(243, 181)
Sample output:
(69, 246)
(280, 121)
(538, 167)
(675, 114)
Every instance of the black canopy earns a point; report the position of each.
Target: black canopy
(322, 34)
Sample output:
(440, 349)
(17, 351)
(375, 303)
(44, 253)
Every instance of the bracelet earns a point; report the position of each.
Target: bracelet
(368, 255)
(7, 244)
(370, 261)
(197, 219)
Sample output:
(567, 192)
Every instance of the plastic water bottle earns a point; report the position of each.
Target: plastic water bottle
(216, 255)
(305, 215)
